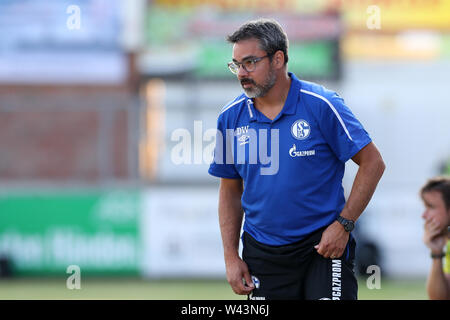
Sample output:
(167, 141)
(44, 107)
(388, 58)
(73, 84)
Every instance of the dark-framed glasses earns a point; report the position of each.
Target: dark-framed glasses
(249, 65)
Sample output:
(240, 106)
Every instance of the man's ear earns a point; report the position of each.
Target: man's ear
(278, 59)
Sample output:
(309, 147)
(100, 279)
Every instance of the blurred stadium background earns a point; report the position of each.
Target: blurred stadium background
(99, 99)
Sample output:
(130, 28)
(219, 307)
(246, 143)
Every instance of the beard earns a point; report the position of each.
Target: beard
(259, 90)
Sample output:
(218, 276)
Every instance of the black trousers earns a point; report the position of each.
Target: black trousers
(297, 271)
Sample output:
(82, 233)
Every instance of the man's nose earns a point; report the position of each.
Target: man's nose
(242, 73)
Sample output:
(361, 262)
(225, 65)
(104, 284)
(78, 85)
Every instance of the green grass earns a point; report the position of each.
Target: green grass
(133, 288)
(394, 289)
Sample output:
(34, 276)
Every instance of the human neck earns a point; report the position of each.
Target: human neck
(277, 95)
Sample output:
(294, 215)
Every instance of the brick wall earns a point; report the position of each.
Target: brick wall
(64, 133)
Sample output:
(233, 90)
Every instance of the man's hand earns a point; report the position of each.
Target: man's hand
(236, 271)
(333, 242)
(434, 237)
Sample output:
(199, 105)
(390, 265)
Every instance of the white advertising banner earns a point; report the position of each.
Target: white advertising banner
(181, 235)
(63, 42)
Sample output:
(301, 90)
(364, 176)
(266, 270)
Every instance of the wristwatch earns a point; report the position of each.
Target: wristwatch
(349, 225)
(437, 255)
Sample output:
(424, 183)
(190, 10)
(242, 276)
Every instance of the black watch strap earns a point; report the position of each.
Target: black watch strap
(437, 255)
(349, 225)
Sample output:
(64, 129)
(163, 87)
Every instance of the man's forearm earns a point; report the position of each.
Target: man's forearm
(364, 185)
(230, 219)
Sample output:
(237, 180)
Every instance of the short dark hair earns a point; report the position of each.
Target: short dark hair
(268, 32)
(440, 184)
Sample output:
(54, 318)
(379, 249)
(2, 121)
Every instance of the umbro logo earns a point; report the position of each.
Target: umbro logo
(244, 139)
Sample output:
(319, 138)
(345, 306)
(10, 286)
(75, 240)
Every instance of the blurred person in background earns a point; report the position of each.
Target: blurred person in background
(436, 197)
(297, 241)
(445, 167)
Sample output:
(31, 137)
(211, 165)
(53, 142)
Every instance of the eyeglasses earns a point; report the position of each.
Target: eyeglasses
(249, 65)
